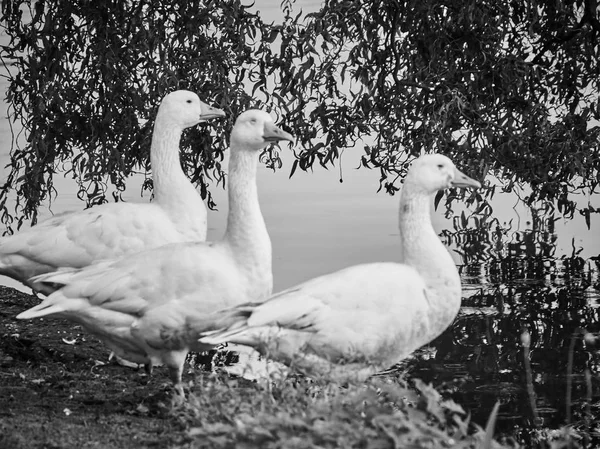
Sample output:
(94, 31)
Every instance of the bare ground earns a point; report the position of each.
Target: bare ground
(58, 390)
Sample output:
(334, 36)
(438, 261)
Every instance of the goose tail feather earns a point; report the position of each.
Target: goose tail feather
(43, 309)
(59, 277)
(220, 336)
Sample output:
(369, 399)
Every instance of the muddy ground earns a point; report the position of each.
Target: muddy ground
(58, 390)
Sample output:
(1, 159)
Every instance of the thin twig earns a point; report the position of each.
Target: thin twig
(570, 376)
(588, 407)
(569, 395)
(526, 341)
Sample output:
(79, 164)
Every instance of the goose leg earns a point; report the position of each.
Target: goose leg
(175, 361)
(175, 373)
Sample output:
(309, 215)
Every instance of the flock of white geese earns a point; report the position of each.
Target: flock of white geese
(142, 278)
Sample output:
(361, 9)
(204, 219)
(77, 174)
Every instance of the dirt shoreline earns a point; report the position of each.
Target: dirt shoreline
(58, 390)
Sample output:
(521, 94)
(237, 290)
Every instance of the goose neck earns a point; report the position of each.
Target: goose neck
(421, 247)
(414, 223)
(173, 191)
(246, 230)
(167, 175)
(246, 235)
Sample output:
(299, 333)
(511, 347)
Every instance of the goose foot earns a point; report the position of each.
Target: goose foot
(121, 361)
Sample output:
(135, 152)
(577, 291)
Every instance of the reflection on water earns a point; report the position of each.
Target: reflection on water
(480, 359)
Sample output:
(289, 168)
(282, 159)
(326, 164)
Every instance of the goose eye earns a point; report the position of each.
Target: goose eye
(253, 121)
(189, 101)
(440, 166)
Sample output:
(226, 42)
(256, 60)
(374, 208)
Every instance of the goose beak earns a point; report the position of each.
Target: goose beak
(462, 180)
(208, 112)
(273, 133)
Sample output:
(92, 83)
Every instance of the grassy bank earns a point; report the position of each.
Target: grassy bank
(58, 391)
(301, 413)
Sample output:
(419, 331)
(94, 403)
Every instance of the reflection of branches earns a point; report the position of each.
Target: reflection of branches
(483, 354)
(490, 241)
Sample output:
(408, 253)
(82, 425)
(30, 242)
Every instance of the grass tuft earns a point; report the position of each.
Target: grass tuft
(382, 413)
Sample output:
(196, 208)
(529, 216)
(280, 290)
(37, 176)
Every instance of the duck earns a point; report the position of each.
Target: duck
(112, 230)
(356, 322)
(146, 306)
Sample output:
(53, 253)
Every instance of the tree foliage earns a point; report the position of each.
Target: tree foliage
(86, 78)
(503, 87)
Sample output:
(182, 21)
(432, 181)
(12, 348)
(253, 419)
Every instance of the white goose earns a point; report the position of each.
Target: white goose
(364, 318)
(147, 306)
(112, 230)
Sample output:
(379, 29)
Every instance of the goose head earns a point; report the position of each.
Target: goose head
(185, 109)
(432, 172)
(255, 129)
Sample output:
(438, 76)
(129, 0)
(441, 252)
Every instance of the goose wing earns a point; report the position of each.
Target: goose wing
(355, 310)
(146, 279)
(76, 239)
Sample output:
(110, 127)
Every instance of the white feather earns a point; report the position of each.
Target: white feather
(77, 239)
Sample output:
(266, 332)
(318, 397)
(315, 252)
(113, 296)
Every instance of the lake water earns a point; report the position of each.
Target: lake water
(318, 225)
